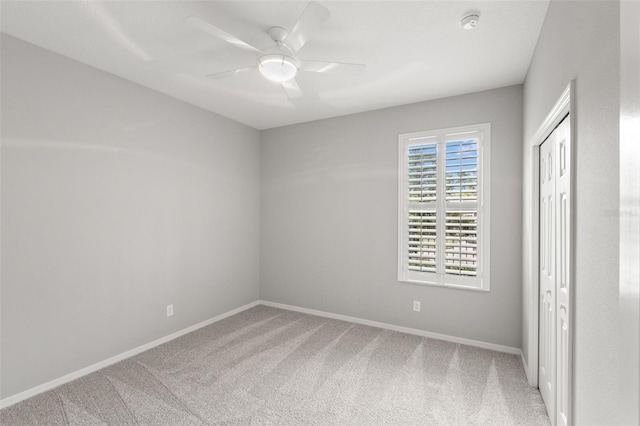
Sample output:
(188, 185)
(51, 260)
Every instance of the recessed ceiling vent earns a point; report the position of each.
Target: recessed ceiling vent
(470, 20)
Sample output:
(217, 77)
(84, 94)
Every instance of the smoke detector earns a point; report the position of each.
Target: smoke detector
(470, 20)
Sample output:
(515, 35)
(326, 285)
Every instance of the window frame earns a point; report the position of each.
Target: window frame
(480, 282)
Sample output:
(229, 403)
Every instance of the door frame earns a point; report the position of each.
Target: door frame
(563, 106)
(629, 290)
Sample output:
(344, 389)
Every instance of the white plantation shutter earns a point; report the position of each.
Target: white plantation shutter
(444, 223)
(461, 243)
(461, 227)
(462, 170)
(423, 177)
(422, 241)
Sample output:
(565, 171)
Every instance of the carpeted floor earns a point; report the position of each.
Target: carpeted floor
(269, 366)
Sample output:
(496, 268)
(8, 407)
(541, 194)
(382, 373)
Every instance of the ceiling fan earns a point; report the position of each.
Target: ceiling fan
(280, 62)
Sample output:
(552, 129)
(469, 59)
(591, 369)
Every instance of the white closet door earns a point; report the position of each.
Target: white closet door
(563, 250)
(555, 279)
(547, 327)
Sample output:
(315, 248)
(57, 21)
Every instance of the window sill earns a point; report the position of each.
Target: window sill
(445, 285)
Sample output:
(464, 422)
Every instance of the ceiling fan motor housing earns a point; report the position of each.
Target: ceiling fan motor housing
(278, 34)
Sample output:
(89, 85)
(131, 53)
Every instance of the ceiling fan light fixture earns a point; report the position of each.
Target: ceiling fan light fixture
(278, 67)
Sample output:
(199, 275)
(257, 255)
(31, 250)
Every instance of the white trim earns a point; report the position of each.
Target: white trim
(533, 283)
(6, 402)
(524, 362)
(573, 132)
(629, 286)
(407, 330)
(565, 105)
(555, 116)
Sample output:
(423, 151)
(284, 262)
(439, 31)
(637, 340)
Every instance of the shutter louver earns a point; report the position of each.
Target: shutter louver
(423, 178)
(462, 171)
(461, 243)
(422, 241)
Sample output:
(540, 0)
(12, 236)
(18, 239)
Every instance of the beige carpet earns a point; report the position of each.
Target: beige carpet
(269, 366)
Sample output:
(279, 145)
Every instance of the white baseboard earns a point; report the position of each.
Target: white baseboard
(6, 402)
(526, 370)
(531, 372)
(415, 331)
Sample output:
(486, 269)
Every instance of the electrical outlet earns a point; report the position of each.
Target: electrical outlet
(169, 310)
(416, 306)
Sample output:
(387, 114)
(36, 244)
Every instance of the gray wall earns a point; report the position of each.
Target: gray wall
(581, 40)
(329, 218)
(116, 201)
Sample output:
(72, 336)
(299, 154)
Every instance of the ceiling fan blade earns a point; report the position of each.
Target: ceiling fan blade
(311, 18)
(226, 74)
(332, 67)
(217, 32)
(292, 89)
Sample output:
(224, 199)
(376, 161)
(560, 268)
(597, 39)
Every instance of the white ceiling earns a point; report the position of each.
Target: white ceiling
(414, 50)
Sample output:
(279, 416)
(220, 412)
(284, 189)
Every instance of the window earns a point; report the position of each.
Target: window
(444, 207)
